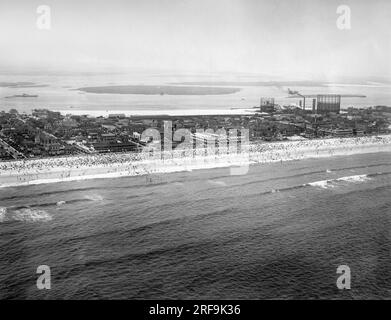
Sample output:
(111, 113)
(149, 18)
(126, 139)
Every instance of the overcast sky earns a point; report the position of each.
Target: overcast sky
(279, 37)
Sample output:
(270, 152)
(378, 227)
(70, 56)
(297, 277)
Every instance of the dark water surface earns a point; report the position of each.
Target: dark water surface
(279, 231)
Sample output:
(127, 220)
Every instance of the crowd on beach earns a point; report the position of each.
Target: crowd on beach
(259, 152)
(289, 150)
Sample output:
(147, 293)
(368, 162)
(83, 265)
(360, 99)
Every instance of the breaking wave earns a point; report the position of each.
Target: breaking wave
(53, 204)
(217, 183)
(3, 212)
(94, 197)
(357, 178)
(324, 184)
(31, 215)
(24, 215)
(331, 183)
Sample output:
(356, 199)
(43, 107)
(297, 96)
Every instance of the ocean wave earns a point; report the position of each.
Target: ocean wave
(94, 197)
(376, 174)
(324, 184)
(49, 193)
(297, 175)
(356, 178)
(217, 183)
(31, 215)
(53, 204)
(24, 215)
(331, 183)
(287, 188)
(3, 212)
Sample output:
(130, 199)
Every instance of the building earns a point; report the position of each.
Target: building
(267, 105)
(49, 143)
(108, 137)
(327, 103)
(4, 155)
(69, 123)
(117, 116)
(45, 114)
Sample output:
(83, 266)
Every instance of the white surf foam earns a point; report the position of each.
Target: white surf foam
(94, 197)
(356, 178)
(324, 184)
(327, 184)
(217, 183)
(30, 215)
(3, 212)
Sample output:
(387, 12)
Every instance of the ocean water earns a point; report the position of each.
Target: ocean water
(59, 94)
(278, 232)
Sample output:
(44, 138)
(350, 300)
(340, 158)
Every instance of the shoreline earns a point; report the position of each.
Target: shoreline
(75, 168)
(162, 112)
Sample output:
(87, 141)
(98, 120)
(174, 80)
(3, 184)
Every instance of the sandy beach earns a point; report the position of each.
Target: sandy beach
(51, 170)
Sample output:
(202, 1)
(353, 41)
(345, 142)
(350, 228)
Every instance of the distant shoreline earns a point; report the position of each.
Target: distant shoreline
(24, 95)
(159, 90)
(154, 113)
(255, 83)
